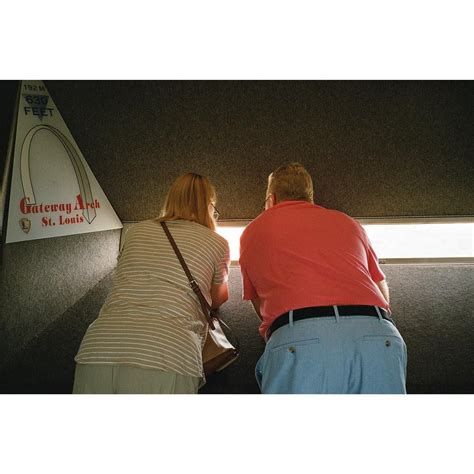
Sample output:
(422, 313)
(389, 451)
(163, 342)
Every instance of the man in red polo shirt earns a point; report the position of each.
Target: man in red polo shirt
(315, 282)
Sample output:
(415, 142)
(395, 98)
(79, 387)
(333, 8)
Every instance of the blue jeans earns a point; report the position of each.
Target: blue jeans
(347, 354)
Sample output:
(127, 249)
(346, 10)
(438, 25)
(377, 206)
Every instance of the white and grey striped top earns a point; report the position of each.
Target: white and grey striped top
(151, 317)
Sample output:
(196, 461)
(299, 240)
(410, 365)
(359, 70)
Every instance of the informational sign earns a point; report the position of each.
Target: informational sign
(53, 191)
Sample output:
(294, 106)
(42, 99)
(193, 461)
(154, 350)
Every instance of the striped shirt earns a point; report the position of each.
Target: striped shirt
(151, 317)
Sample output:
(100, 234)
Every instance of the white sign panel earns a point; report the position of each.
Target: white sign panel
(53, 191)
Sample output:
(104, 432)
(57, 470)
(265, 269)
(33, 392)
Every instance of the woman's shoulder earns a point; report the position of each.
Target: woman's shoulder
(142, 230)
(205, 233)
(149, 224)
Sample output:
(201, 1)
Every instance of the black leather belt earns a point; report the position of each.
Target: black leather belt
(326, 312)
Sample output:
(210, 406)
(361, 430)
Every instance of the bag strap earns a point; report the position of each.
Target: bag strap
(206, 307)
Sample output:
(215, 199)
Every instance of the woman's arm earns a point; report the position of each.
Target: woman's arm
(219, 294)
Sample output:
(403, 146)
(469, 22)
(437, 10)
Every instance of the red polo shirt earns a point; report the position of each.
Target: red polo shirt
(297, 255)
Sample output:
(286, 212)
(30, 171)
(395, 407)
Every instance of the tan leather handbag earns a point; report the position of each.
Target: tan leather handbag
(218, 352)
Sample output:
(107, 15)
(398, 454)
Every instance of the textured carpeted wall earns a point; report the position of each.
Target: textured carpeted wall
(8, 94)
(373, 148)
(41, 279)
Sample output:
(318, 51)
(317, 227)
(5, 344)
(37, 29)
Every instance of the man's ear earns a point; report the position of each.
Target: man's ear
(272, 200)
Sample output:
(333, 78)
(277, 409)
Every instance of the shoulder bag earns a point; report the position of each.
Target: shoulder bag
(218, 352)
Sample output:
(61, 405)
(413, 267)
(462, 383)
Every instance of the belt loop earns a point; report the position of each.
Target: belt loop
(290, 317)
(336, 313)
(378, 312)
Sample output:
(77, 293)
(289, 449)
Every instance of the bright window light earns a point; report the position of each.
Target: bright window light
(422, 240)
(390, 241)
(232, 235)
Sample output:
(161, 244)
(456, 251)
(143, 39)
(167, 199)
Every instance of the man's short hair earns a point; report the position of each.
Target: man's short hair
(291, 183)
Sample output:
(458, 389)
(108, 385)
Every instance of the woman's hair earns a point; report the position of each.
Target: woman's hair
(189, 198)
(291, 183)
